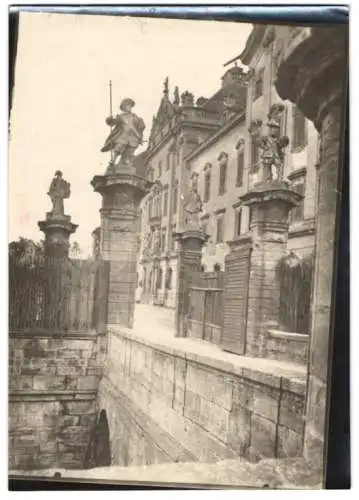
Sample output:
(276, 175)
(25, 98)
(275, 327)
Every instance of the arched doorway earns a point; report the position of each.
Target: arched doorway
(99, 450)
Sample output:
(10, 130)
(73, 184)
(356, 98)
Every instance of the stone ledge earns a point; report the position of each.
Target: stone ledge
(298, 337)
(46, 395)
(266, 371)
(53, 334)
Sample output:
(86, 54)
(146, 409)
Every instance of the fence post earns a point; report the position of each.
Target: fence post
(121, 193)
(189, 262)
(270, 204)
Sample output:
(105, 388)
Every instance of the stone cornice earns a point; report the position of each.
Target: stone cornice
(214, 137)
(74, 395)
(299, 172)
(313, 68)
(53, 334)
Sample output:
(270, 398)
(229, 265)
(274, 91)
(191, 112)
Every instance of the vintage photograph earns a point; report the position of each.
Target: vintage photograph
(174, 189)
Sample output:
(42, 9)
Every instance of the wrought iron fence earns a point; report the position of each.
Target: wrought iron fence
(59, 294)
(295, 277)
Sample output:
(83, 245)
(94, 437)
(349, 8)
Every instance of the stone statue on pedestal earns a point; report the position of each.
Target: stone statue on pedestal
(59, 190)
(193, 206)
(272, 146)
(126, 135)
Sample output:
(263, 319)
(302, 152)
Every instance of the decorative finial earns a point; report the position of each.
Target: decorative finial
(165, 86)
(176, 97)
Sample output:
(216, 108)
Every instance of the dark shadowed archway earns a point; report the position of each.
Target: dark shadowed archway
(99, 450)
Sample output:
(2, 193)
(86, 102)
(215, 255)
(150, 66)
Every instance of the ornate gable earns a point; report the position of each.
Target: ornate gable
(165, 112)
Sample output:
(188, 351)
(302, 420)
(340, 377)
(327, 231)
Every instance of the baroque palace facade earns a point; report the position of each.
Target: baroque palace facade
(213, 142)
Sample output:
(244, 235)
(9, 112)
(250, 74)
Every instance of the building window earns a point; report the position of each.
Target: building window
(223, 161)
(219, 230)
(255, 155)
(238, 222)
(250, 217)
(169, 279)
(299, 130)
(205, 227)
(258, 85)
(159, 279)
(150, 208)
(159, 168)
(207, 186)
(297, 213)
(165, 201)
(175, 199)
(168, 161)
(173, 240)
(240, 167)
(163, 240)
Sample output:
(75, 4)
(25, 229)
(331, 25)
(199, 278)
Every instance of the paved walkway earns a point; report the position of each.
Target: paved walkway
(155, 325)
(155, 317)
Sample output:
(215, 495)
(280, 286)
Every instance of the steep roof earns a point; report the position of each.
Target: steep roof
(252, 44)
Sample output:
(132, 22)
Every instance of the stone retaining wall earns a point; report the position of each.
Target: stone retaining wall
(53, 382)
(166, 405)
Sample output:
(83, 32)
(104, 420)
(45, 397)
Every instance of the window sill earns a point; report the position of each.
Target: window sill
(279, 335)
(304, 227)
(298, 149)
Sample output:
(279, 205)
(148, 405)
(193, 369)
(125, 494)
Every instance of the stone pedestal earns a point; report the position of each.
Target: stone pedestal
(270, 204)
(57, 229)
(121, 195)
(190, 243)
(312, 73)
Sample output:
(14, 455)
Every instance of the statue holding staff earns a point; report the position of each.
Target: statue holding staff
(126, 134)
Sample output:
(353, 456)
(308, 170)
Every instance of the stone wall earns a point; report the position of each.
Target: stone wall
(53, 382)
(167, 405)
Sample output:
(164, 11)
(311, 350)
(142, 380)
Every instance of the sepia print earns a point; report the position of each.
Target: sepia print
(169, 310)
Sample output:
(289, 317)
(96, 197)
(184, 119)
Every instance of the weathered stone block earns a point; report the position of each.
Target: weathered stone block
(239, 431)
(87, 382)
(291, 413)
(290, 443)
(263, 436)
(212, 417)
(211, 385)
(79, 407)
(266, 405)
(243, 393)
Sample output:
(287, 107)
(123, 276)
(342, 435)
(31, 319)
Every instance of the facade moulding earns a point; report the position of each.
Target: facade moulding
(214, 137)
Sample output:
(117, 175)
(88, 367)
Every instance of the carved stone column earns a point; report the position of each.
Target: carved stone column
(312, 67)
(189, 262)
(270, 204)
(57, 229)
(121, 195)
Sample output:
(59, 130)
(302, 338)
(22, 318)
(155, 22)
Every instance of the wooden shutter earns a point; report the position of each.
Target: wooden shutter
(235, 300)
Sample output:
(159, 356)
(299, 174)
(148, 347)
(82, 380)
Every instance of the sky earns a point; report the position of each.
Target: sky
(61, 99)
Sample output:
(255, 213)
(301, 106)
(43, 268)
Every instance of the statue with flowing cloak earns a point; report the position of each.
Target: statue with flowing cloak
(127, 134)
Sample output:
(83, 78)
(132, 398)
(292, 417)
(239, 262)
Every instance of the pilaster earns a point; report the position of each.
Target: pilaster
(121, 195)
(189, 262)
(270, 204)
